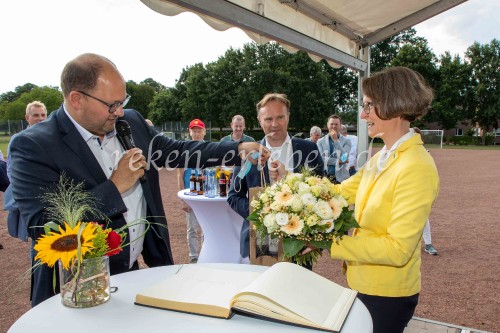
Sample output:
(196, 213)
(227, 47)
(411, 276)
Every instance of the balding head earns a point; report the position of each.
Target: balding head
(83, 72)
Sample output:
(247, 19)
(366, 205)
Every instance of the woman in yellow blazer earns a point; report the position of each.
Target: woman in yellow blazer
(393, 194)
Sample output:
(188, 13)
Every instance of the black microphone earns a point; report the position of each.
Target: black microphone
(124, 135)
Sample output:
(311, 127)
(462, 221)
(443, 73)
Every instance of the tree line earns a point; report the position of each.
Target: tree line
(466, 89)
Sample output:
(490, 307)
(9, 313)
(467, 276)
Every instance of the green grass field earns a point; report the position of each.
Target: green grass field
(4, 142)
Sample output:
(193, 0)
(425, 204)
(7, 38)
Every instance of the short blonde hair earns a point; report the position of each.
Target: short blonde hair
(36, 104)
(273, 97)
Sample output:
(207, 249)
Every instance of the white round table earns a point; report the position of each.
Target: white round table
(221, 228)
(120, 314)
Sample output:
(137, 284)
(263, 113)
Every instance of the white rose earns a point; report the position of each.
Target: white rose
(330, 224)
(308, 199)
(323, 210)
(270, 223)
(303, 188)
(276, 206)
(296, 204)
(282, 218)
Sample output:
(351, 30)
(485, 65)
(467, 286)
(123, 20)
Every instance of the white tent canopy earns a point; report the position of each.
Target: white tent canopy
(338, 31)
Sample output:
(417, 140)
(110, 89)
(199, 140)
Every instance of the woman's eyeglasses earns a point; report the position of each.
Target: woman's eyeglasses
(367, 107)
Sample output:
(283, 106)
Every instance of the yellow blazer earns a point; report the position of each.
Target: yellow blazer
(392, 207)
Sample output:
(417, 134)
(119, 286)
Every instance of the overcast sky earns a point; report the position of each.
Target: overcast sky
(40, 36)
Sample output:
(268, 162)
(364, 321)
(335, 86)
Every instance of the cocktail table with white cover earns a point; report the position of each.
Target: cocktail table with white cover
(221, 228)
(120, 314)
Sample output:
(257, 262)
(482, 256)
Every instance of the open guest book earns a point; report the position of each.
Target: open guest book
(285, 292)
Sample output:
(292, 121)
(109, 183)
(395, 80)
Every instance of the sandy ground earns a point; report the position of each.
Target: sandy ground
(460, 286)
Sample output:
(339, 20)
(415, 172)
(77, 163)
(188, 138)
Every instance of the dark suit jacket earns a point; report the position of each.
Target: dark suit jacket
(41, 153)
(4, 179)
(238, 194)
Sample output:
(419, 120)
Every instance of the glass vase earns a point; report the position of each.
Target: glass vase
(87, 285)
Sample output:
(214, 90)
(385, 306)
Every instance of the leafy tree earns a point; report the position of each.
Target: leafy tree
(263, 73)
(16, 110)
(451, 92)
(165, 107)
(193, 104)
(142, 95)
(13, 95)
(223, 80)
(485, 62)
(309, 91)
(419, 57)
(383, 53)
(343, 83)
(157, 86)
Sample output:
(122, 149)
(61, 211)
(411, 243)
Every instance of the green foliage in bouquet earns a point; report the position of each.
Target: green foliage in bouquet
(302, 209)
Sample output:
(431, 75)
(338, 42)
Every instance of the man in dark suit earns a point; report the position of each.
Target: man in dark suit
(80, 140)
(288, 154)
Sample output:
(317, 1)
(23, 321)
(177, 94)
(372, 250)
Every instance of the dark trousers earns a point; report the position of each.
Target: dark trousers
(390, 314)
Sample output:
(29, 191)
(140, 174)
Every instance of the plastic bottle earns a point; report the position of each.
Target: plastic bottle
(210, 187)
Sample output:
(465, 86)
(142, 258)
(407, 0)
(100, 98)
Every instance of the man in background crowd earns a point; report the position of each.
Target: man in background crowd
(197, 132)
(353, 155)
(36, 112)
(335, 150)
(238, 126)
(314, 134)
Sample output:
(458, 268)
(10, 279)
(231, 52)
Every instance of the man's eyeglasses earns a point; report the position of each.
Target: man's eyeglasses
(113, 106)
(367, 107)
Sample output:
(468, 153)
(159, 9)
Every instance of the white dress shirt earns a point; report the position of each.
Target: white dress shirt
(108, 153)
(283, 153)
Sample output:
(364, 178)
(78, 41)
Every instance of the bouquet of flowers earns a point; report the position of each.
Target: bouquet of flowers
(302, 209)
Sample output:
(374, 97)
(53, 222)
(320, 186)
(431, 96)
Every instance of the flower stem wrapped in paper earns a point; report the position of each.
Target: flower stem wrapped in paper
(302, 209)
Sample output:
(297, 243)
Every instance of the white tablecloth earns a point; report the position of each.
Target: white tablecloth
(221, 228)
(120, 314)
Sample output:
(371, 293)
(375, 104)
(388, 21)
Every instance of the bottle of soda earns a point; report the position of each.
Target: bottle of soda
(192, 182)
(199, 182)
(222, 185)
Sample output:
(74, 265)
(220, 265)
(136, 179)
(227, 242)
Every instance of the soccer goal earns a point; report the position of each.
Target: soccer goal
(433, 137)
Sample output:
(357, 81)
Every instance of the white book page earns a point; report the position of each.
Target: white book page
(301, 291)
(201, 285)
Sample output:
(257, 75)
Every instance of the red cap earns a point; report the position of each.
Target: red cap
(196, 123)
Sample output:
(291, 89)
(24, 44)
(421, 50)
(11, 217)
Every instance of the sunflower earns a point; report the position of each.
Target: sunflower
(64, 245)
